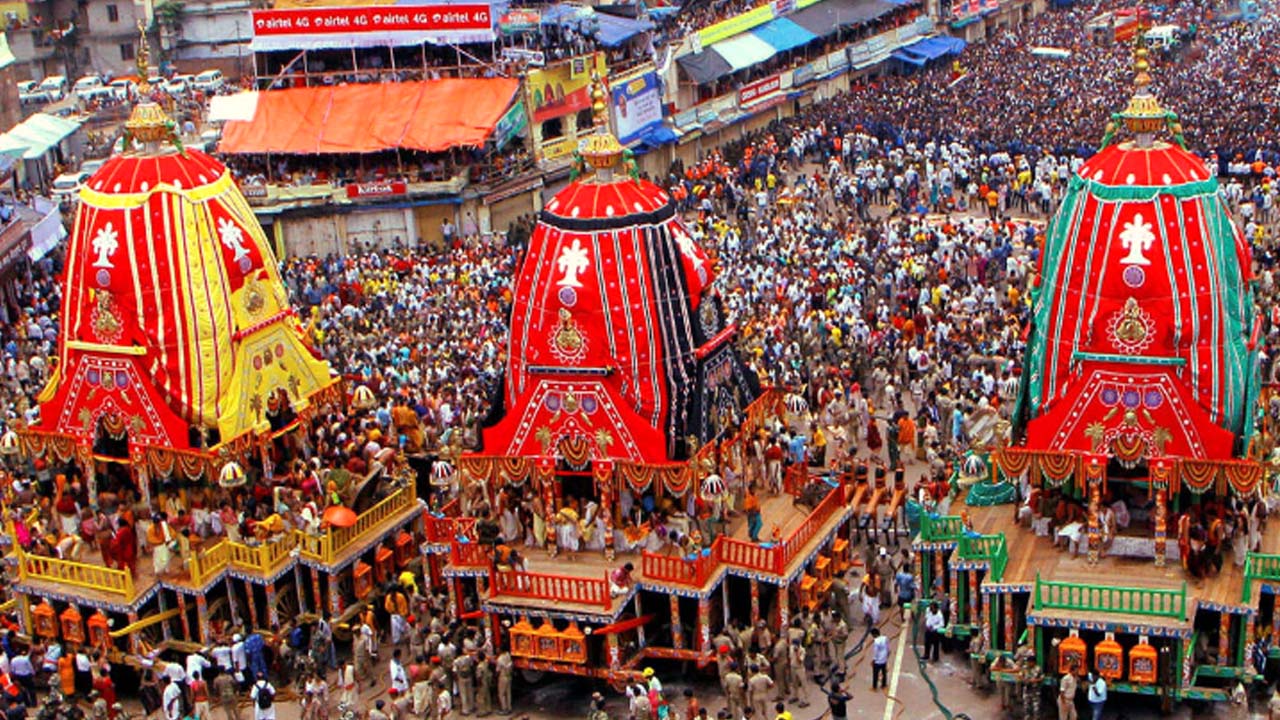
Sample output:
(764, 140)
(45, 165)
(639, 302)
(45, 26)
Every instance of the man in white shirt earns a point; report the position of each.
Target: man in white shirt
(265, 690)
(879, 659)
(239, 661)
(222, 658)
(399, 678)
(933, 624)
(171, 699)
(197, 663)
(1097, 695)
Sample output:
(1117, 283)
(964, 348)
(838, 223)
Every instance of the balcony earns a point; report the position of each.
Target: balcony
(329, 547)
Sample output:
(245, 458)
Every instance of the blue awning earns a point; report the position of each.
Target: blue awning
(610, 30)
(930, 48)
(613, 30)
(654, 138)
(906, 57)
(783, 34)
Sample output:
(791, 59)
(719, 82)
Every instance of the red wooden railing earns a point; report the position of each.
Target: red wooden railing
(680, 570)
(446, 529)
(747, 555)
(472, 555)
(794, 478)
(792, 545)
(561, 588)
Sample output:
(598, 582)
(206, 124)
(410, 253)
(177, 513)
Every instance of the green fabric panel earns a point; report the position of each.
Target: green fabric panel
(1115, 193)
(984, 494)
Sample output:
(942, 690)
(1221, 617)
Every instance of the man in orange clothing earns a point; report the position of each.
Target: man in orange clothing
(907, 435)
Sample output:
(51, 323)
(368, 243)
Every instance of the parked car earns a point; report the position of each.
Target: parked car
(209, 81)
(179, 85)
(67, 185)
(29, 92)
(88, 87)
(123, 89)
(55, 86)
(89, 167)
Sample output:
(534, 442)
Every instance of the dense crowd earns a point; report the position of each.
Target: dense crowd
(1219, 80)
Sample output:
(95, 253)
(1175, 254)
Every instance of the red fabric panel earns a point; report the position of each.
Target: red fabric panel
(367, 118)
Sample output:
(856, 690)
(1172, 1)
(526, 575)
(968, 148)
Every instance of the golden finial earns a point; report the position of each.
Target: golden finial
(601, 150)
(1143, 116)
(142, 60)
(148, 123)
(599, 110)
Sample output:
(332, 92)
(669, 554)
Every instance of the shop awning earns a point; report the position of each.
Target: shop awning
(826, 18)
(240, 106)
(783, 34)
(930, 48)
(425, 116)
(38, 134)
(744, 51)
(612, 30)
(48, 232)
(704, 67)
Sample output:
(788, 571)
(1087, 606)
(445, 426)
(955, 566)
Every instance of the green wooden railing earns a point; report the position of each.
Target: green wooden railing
(1050, 595)
(991, 548)
(1260, 567)
(941, 528)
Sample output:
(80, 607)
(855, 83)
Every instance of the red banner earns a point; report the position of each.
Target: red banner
(759, 90)
(415, 18)
(376, 189)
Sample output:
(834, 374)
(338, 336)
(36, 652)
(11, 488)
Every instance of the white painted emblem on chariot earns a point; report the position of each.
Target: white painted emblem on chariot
(105, 244)
(232, 238)
(573, 262)
(1137, 238)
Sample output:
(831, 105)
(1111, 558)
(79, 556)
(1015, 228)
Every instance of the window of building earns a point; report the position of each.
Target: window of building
(126, 51)
(585, 120)
(113, 13)
(552, 129)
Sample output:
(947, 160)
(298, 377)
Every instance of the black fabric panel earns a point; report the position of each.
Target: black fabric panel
(677, 324)
(706, 66)
(662, 214)
(827, 17)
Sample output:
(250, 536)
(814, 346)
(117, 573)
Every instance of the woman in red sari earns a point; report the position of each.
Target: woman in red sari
(125, 547)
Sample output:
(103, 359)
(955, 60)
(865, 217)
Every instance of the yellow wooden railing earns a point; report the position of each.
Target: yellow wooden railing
(328, 546)
(209, 562)
(264, 558)
(93, 577)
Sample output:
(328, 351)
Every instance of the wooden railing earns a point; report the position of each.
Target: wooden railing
(556, 588)
(989, 548)
(471, 555)
(748, 555)
(940, 528)
(1101, 598)
(66, 572)
(794, 543)
(1259, 567)
(266, 557)
(327, 546)
(681, 570)
(209, 562)
(794, 478)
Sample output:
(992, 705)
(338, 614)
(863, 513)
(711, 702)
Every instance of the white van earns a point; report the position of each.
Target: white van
(90, 86)
(209, 81)
(55, 86)
(1163, 37)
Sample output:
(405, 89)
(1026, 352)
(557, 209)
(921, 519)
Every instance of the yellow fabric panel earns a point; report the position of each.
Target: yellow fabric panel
(208, 316)
(291, 367)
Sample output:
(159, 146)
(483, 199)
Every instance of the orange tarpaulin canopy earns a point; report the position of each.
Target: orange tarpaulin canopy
(430, 116)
